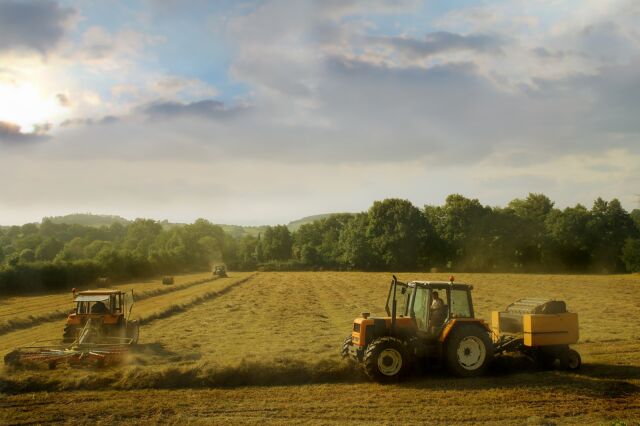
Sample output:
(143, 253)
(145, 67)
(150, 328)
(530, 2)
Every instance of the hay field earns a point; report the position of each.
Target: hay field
(26, 311)
(264, 349)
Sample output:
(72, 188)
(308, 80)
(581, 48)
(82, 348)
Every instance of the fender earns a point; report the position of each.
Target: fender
(461, 321)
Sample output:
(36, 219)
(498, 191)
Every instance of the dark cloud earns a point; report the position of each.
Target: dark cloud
(12, 133)
(106, 120)
(32, 25)
(443, 41)
(208, 109)
(544, 53)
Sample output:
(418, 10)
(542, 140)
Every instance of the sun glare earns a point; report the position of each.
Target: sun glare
(26, 105)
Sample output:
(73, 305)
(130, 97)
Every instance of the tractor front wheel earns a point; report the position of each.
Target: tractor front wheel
(386, 360)
(468, 351)
(344, 350)
(70, 333)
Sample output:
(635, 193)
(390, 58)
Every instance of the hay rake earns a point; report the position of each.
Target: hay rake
(90, 349)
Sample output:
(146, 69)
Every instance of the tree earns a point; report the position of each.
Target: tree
(317, 243)
(631, 254)
(355, 250)
(397, 233)
(49, 249)
(141, 234)
(27, 256)
(609, 226)
(459, 225)
(535, 207)
(276, 243)
(569, 235)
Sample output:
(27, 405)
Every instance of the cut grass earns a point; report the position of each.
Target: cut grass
(18, 321)
(286, 328)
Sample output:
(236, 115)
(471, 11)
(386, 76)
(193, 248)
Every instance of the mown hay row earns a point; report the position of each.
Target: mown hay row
(182, 307)
(35, 320)
(280, 373)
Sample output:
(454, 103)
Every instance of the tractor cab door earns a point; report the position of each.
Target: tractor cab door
(430, 309)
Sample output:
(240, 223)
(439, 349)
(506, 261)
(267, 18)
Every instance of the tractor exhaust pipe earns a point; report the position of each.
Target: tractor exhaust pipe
(392, 330)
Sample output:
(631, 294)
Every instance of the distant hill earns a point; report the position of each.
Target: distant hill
(296, 224)
(238, 231)
(87, 219)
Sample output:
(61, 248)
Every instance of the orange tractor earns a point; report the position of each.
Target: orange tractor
(433, 322)
(98, 332)
(111, 308)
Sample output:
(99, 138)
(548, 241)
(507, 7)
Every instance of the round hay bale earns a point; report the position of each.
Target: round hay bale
(167, 280)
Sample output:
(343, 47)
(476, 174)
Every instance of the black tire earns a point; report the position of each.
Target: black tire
(344, 350)
(468, 351)
(386, 360)
(570, 360)
(70, 333)
(133, 331)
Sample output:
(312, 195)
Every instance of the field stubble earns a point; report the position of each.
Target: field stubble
(284, 329)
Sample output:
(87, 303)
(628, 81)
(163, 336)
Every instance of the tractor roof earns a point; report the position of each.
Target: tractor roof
(99, 292)
(442, 284)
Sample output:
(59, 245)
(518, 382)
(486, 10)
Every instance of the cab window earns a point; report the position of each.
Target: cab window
(460, 304)
(419, 310)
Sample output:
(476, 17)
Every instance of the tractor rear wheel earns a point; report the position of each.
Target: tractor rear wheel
(70, 333)
(468, 351)
(386, 360)
(570, 360)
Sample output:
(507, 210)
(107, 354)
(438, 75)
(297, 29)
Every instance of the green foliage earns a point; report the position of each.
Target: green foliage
(631, 254)
(527, 235)
(397, 233)
(276, 243)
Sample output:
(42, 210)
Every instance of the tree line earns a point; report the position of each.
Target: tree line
(528, 235)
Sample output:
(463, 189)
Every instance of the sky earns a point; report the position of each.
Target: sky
(262, 112)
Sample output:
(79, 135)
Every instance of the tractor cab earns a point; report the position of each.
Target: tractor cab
(111, 308)
(98, 303)
(435, 304)
(431, 304)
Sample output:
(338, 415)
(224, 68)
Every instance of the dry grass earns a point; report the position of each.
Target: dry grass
(28, 311)
(146, 308)
(278, 329)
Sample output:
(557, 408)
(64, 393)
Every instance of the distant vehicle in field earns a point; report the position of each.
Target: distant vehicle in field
(220, 271)
(433, 322)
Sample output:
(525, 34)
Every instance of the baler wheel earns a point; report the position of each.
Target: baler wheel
(570, 360)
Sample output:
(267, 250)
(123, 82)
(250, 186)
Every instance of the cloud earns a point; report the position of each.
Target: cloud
(12, 133)
(99, 46)
(442, 41)
(207, 108)
(33, 25)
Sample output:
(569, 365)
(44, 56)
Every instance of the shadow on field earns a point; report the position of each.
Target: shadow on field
(596, 380)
